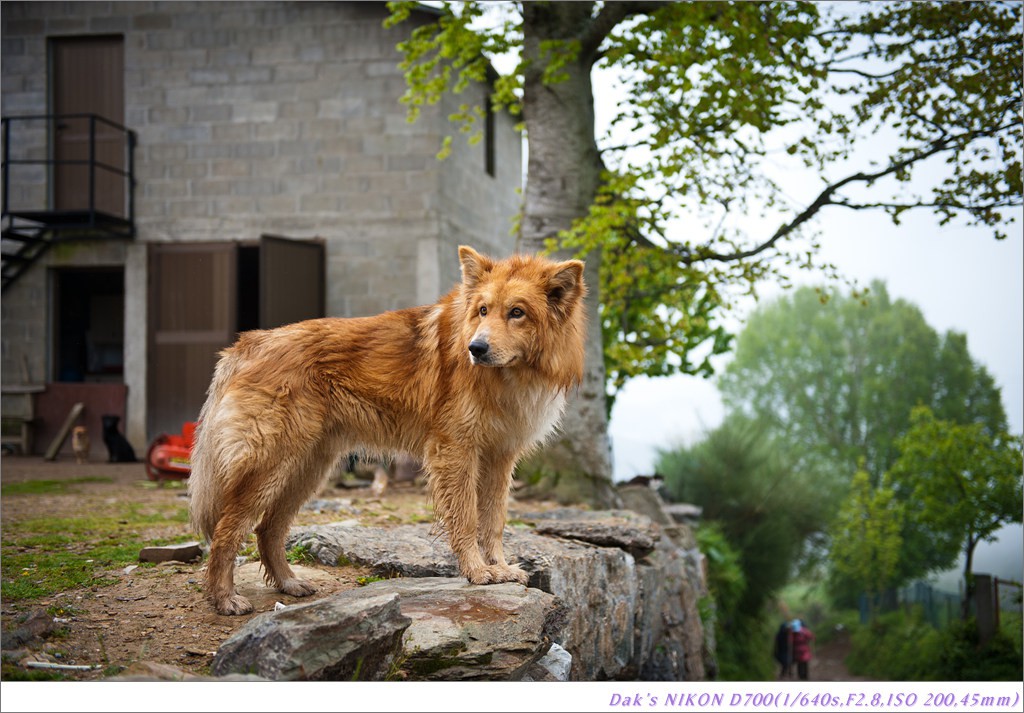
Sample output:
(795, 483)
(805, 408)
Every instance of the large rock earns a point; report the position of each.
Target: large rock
(461, 631)
(624, 617)
(637, 541)
(348, 636)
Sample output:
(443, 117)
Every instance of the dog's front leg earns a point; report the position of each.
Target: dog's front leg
(492, 505)
(453, 477)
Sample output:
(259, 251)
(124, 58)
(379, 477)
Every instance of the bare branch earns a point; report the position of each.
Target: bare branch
(826, 197)
(1008, 203)
(866, 75)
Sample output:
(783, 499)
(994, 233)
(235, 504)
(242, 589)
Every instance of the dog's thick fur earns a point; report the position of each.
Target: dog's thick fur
(467, 385)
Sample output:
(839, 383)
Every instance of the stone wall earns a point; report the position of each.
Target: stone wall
(626, 590)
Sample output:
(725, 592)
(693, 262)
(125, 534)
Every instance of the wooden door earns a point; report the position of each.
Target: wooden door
(291, 281)
(87, 75)
(192, 316)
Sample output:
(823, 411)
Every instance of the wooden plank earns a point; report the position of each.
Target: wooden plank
(62, 435)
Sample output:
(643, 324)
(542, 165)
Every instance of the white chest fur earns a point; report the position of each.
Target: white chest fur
(544, 414)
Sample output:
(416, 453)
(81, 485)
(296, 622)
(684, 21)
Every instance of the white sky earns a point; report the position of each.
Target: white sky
(961, 279)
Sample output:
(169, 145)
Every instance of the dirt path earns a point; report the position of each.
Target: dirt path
(150, 613)
(828, 663)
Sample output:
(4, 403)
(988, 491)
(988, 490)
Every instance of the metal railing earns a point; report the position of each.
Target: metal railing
(92, 163)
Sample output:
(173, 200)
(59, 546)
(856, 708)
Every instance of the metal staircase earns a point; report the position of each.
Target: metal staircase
(30, 225)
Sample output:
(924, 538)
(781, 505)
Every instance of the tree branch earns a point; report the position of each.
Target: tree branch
(611, 14)
(826, 196)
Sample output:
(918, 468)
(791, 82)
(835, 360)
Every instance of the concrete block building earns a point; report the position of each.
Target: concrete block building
(177, 172)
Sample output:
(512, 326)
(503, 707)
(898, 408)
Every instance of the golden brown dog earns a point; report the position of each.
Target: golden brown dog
(467, 385)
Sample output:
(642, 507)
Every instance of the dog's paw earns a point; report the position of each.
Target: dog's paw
(481, 575)
(234, 605)
(508, 573)
(297, 587)
(496, 574)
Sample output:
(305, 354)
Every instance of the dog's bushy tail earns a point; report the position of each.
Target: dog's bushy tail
(206, 478)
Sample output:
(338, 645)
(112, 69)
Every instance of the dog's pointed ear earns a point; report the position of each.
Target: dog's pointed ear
(565, 286)
(474, 265)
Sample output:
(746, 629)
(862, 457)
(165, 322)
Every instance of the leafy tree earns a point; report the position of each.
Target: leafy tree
(717, 93)
(837, 377)
(766, 509)
(965, 483)
(866, 537)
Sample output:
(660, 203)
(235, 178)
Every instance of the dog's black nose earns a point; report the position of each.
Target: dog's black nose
(479, 348)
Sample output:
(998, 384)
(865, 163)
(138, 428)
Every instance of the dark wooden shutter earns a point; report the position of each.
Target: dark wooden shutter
(291, 281)
(192, 316)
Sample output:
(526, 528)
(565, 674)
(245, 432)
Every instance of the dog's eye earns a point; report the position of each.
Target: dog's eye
(483, 311)
(516, 313)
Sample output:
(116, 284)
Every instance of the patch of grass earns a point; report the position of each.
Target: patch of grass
(40, 487)
(43, 556)
(420, 517)
(13, 672)
(250, 549)
(300, 554)
(370, 579)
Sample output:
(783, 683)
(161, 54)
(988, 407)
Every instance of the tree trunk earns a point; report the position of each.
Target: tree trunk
(965, 605)
(563, 177)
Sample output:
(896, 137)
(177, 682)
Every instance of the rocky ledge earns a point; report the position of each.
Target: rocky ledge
(611, 595)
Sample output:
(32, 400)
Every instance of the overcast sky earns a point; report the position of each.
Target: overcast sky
(961, 279)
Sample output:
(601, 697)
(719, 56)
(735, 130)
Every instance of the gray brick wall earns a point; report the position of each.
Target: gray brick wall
(264, 117)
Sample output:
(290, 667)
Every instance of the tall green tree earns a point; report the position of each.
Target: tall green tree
(964, 482)
(765, 508)
(866, 540)
(716, 93)
(838, 374)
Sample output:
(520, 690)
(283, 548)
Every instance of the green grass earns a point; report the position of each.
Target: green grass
(363, 581)
(300, 554)
(43, 556)
(40, 487)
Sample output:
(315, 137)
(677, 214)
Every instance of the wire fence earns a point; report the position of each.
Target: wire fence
(939, 607)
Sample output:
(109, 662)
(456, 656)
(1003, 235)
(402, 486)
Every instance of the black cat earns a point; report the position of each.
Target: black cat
(120, 449)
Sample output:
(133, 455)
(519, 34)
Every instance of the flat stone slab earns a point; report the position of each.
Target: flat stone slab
(462, 631)
(353, 635)
(402, 551)
(638, 541)
(185, 552)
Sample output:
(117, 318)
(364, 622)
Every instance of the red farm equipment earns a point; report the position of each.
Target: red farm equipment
(170, 455)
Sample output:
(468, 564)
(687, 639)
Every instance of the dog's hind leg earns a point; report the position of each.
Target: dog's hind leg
(492, 503)
(277, 518)
(234, 524)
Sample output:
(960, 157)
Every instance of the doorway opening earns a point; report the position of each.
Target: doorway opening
(89, 325)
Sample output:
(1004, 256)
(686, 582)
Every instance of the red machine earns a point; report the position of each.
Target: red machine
(170, 455)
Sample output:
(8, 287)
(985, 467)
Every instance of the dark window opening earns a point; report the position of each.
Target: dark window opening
(488, 136)
(89, 325)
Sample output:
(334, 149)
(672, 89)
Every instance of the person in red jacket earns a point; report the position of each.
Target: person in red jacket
(803, 639)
